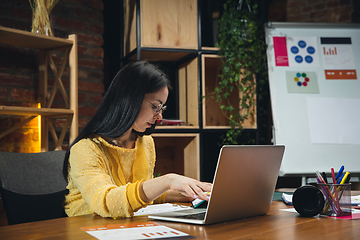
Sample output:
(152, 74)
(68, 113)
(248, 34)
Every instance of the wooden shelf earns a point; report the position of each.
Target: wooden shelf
(177, 127)
(25, 111)
(45, 44)
(31, 40)
(212, 49)
(168, 55)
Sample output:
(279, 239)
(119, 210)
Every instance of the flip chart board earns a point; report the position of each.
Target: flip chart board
(314, 77)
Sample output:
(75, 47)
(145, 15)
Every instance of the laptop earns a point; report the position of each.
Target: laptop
(243, 186)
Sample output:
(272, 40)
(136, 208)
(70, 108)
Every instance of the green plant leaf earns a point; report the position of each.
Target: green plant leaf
(242, 48)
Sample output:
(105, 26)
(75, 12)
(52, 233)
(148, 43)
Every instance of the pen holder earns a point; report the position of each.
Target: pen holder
(337, 199)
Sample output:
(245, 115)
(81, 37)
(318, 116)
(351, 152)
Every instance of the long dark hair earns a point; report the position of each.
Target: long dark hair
(122, 102)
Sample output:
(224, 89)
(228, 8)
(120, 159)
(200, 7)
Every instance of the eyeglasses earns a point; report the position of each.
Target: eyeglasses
(157, 109)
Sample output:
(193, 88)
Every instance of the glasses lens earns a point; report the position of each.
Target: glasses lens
(160, 108)
(157, 109)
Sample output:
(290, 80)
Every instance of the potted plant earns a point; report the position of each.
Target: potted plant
(243, 65)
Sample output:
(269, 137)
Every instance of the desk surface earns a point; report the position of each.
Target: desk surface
(275, 225)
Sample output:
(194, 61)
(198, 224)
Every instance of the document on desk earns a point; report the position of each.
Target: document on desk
(355, 200)
(158, 208)
(287, 198)
(129, 231)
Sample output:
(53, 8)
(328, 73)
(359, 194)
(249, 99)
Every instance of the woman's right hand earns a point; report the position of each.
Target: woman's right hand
(188, 187)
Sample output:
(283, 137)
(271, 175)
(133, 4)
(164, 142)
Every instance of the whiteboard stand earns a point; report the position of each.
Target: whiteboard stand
(313, 53)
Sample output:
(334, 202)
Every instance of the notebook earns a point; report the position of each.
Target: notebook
(243, 186)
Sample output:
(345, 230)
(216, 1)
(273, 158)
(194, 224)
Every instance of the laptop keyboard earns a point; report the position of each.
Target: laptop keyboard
(198, 216)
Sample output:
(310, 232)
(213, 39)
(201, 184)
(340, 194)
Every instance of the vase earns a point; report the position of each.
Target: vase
(41, 23)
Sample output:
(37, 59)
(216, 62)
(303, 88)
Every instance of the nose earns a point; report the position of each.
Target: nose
(159, 116)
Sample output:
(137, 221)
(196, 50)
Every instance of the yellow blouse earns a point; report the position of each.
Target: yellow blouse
(104, 179)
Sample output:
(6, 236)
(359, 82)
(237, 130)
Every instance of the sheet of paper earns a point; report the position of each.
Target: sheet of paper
(157, 208)
(287, 198)
(302, 82)
(302, 51)
(334, 120)
(355, 200)
(338, 58)
(146, 230)
(289, 210)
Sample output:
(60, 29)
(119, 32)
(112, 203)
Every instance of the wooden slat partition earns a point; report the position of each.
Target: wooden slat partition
(188, 93)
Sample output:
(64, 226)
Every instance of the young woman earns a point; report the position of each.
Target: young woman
(110, 164)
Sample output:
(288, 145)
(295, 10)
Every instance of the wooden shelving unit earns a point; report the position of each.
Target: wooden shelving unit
(170, 31)
(177, 152)
(213, 118)
(46, 44)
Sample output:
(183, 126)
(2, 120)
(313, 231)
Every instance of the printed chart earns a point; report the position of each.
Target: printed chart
(338, 58)
(147, 230)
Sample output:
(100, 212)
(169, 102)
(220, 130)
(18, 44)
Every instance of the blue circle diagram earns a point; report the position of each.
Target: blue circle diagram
(302, 44)
(303, 52)
(299, 59)
(294, 49)
(310, 50)
(308, 59)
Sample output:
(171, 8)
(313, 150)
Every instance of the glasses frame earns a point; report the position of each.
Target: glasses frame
(160, 108)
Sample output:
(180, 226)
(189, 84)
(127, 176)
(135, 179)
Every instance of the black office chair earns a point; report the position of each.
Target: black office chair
(32, 186)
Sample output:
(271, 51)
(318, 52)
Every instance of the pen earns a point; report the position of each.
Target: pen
(323, 174)
(335, 189)
(346, 178)
(320, 177)
(346, 181)
(340, 178)
(326, 192)
(340, 172)
(329, 202)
